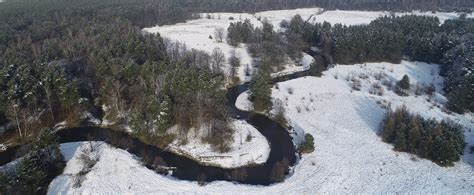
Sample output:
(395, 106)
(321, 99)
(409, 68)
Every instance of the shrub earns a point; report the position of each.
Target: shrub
(308, 144)
(279, 170)
(404, 83)
(356, 84)
(249, 138)
(376, 89)
(419, 89)
(279, 115)
(380, 75)
(441, 142)
(290, 90)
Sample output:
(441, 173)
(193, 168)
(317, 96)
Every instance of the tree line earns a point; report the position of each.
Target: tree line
(393, 38)
(59, 63)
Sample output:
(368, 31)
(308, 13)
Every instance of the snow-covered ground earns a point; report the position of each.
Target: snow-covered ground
(349, 157)
(195, 33)
(254, 150)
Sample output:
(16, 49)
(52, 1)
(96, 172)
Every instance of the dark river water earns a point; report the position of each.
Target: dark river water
(188, 169)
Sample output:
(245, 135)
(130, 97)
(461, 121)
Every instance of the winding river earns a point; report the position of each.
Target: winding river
(280, 141)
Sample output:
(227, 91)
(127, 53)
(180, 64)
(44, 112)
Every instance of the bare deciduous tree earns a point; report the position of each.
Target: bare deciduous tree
(219, 34)
(217, 60)
(234, 62)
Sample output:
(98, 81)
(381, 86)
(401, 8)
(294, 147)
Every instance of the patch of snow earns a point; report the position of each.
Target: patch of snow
(254, 151)
(297, 133)
(243, 103)
(91, 118)
(106, 122)
(291, 67)
(349, 156)
(3, 147)
(60, 125)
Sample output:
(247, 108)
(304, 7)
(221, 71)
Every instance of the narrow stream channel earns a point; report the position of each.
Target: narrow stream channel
(280, 141)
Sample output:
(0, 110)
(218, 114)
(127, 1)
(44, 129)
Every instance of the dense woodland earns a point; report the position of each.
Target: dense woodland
(58, 64)
(392, 39)
(389, 38)
(441, 142)
(36, 169)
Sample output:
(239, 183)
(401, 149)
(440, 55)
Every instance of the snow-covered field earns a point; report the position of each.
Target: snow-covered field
(195, 33)
(243, 151)
(349, 156)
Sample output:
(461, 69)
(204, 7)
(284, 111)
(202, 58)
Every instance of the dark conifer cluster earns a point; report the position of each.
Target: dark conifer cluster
(442, 142)
(393, 38)
(36, 169)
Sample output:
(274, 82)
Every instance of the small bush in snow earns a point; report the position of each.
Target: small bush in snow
(380, 75)
(248, 138)
(298, 109)
(308, 145)
(355, 84)
(279, 115)
(363, 76)
(376, 89)
(290, 90)
(419, 89)
(430, 90)
(387, 83)
(284, 24)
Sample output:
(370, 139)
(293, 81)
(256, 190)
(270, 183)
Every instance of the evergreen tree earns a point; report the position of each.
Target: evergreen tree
(414, 133)
(404, 83)
(260, 89)
(30, 176)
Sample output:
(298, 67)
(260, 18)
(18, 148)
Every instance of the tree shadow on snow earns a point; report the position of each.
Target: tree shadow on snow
(370, 112)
